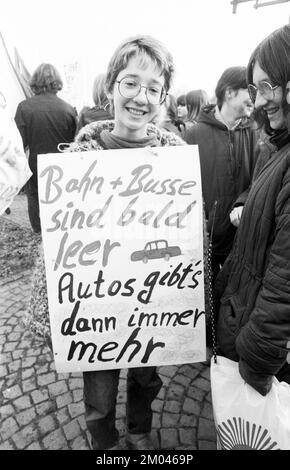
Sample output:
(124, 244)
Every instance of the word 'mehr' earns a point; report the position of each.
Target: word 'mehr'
(105, 352)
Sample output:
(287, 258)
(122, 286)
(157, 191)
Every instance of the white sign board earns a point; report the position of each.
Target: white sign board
(123, 242)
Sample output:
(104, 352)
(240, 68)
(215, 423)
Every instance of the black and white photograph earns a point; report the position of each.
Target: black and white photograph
(144, 230)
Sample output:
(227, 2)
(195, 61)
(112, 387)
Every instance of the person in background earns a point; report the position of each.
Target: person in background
(171, 123)
(194, 100)
(101, 111)
(253, 289)
(43, 121)
(227, 151)
(181, 108)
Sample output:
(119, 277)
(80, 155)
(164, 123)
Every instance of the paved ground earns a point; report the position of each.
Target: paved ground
(41, 409)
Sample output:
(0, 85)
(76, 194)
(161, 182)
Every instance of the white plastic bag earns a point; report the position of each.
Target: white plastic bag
(14, 169)
(244, 419)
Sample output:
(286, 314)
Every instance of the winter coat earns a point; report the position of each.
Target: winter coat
(44, 121)
(37, 317)
(253, 286)
(227, 161)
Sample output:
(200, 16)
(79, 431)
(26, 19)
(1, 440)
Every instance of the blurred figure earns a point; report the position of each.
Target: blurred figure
(194, 100)
(101, 110)
(227, 151)
(181, 108)
(171, 122)
(43, 121)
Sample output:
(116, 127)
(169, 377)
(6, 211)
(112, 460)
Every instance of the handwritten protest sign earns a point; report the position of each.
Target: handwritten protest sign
(122, 234)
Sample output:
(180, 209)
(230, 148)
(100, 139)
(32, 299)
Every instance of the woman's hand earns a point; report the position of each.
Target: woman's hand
(262, 383)
(236, 215)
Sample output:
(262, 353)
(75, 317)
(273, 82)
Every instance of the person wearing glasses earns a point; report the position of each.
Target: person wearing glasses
(228, 153)
(138, 78)
(253, 287)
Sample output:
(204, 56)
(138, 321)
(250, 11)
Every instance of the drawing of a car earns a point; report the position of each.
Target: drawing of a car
(156, 249)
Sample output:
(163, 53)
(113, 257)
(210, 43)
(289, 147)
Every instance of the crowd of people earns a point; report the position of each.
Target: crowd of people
(244, 150)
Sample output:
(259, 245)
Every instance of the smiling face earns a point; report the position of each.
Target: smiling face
(272, 105)
(133, 114)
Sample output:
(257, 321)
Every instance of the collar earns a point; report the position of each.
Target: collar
(280, 138)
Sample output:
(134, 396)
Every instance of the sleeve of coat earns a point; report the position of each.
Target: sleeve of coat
(21, 124)
(262, 342)
(241, 200)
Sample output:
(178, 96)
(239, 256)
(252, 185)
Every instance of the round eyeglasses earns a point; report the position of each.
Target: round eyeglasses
(265, 89)
(130, 88)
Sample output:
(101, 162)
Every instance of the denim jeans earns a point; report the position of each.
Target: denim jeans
(100, 394)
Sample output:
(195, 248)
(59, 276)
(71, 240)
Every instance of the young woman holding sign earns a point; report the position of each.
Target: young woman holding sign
(138, 79)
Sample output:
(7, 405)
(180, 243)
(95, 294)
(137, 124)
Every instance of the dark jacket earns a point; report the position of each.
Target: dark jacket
(254, 283)
(227, 160)
(44, 121)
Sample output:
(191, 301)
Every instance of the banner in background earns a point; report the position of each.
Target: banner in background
(123, 242)
(22, 74)
(10, 86)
